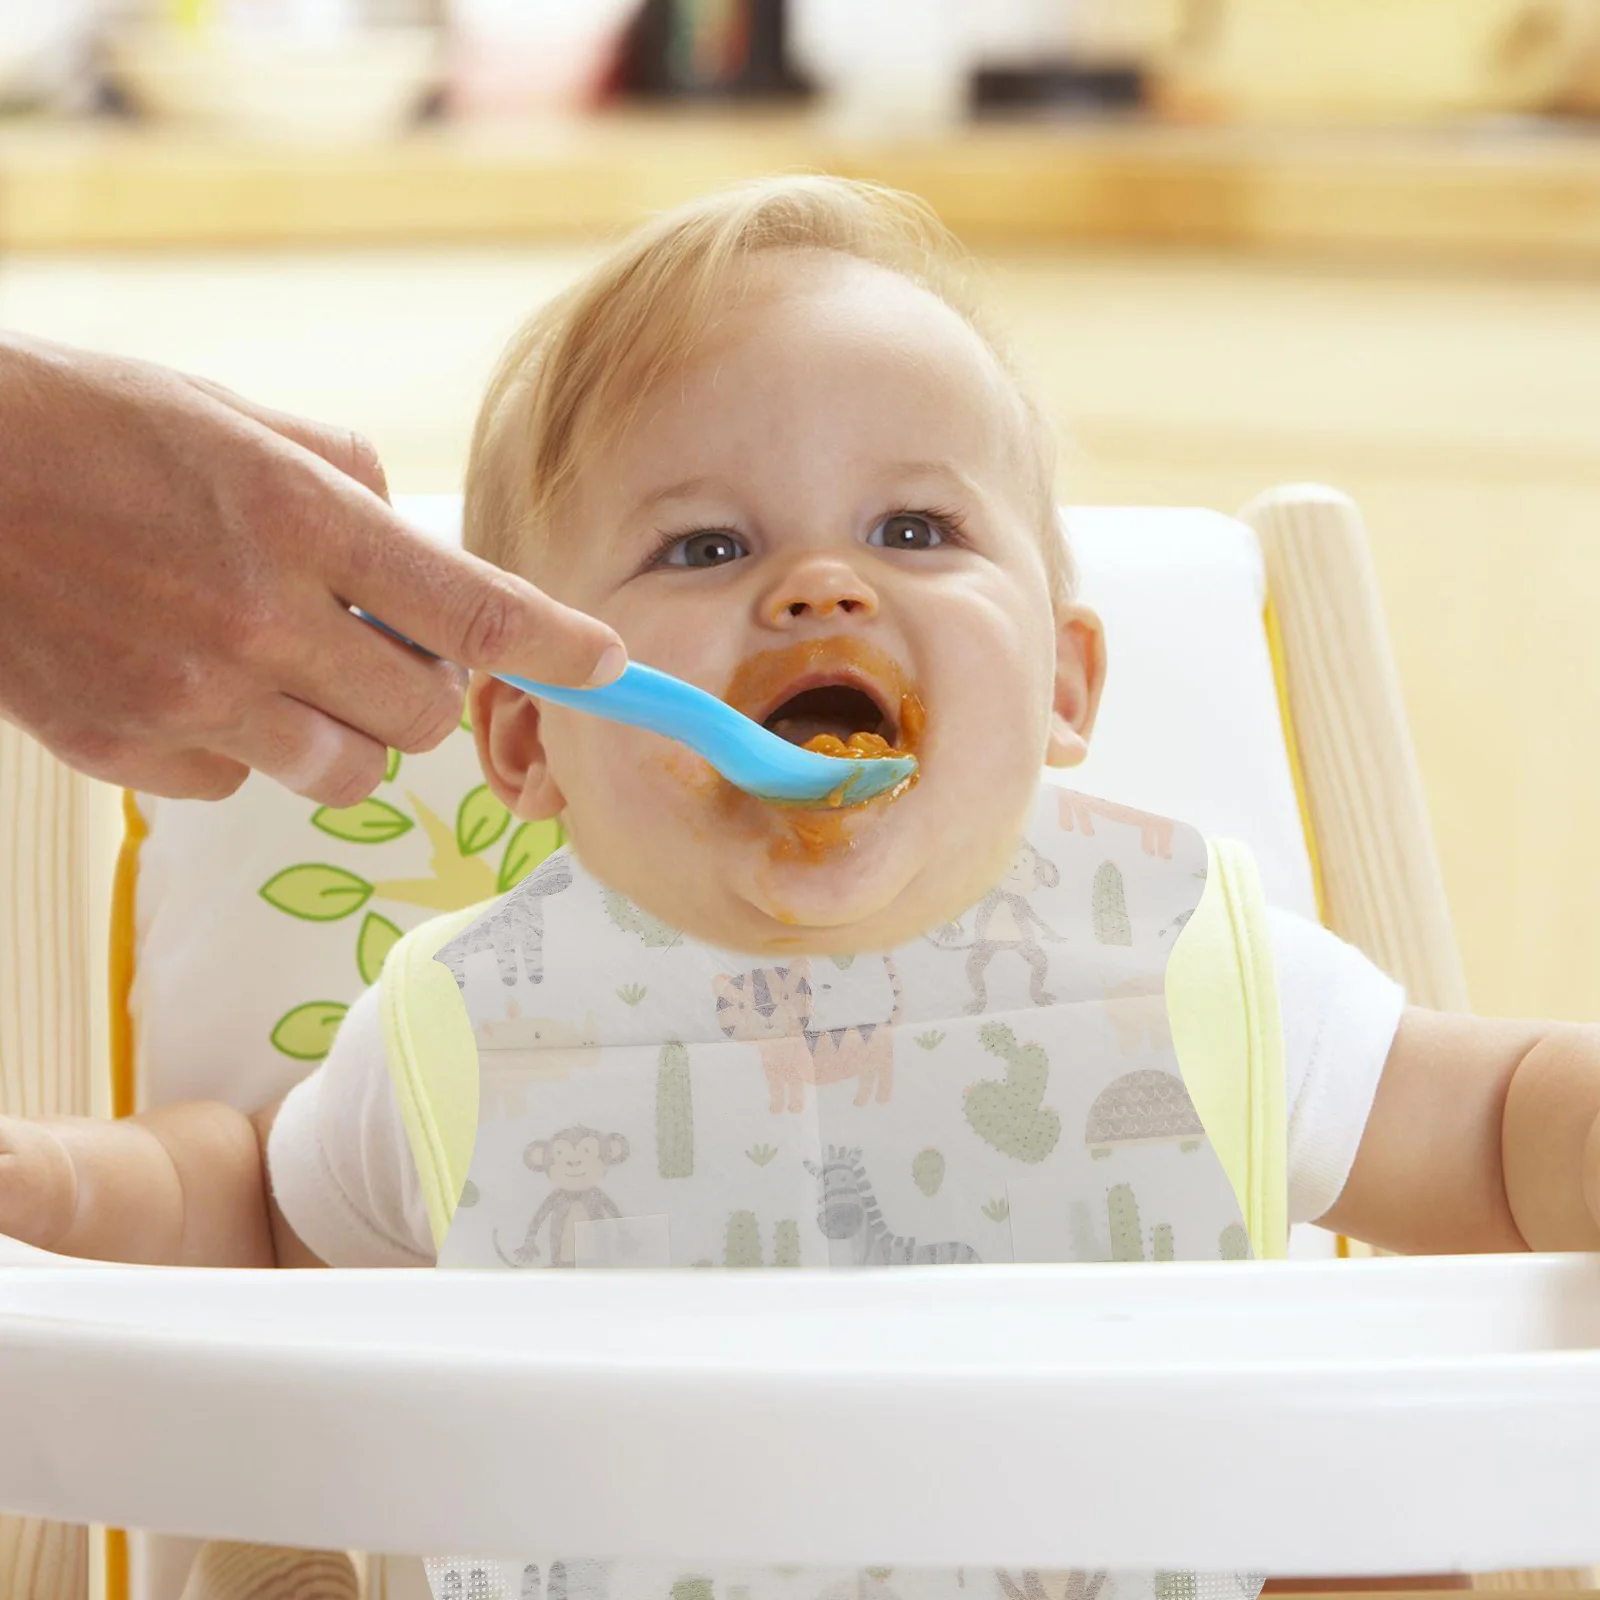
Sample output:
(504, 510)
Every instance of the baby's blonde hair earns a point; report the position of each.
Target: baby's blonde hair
(573, 376)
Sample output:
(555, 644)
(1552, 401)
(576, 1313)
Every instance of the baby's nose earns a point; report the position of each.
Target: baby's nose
(819, 589)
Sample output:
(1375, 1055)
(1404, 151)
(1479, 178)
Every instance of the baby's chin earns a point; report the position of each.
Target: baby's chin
(856, 882)
(837, 907)
(839, 883)
(769, 880)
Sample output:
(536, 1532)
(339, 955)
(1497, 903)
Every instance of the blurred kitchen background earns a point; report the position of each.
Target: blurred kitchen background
(1239, 242)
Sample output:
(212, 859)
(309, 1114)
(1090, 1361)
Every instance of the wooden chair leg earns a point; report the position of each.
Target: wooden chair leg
(262, 1572)
(43, 1560)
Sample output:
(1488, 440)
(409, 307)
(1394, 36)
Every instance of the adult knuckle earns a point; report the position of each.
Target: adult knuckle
(355, 777)
(431, 722)
(252, 626)
(182, 693)
(281, 747)
(273, 504)
(222, 723)
(98, 751)
(259, 492)
(218, 781)
(365, 463)
(493, 622)
(337, 790)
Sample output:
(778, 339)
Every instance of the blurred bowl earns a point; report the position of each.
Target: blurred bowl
(1376, 59)
(370, 86)
(892, 69)
(515, 57)
(42, 47)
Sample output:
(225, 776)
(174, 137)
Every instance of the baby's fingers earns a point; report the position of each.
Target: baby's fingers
(1591, 1171)
(38, 1186)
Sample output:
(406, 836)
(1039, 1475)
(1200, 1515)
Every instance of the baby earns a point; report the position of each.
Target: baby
(767, 442)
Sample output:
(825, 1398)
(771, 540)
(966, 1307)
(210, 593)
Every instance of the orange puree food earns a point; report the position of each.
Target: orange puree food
(858, 747)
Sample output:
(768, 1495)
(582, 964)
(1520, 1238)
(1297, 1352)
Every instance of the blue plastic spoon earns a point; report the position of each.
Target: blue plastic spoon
(749, 756)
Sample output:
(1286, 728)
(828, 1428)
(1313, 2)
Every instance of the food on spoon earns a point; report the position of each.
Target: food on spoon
(858, 747)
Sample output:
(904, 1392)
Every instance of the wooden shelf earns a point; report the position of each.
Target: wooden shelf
(1507, 195)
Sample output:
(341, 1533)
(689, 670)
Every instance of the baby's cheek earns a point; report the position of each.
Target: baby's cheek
(665, 795)
(994, 700)
(620, 803)
(683, 771)
(591, 766)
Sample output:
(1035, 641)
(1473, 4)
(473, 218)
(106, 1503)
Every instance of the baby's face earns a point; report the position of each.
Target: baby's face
(829, 518)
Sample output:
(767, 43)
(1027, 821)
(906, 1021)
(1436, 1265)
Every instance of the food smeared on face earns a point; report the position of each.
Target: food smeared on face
(839, 697)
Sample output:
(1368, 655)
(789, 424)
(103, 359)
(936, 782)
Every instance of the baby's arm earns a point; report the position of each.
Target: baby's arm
(182, 1186)
(1484, 1135)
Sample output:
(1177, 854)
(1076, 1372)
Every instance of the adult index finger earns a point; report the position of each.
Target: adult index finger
(352, 453)
(462, 608)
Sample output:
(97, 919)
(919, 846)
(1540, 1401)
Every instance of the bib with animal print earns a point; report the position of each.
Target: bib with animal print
(1003, 1089)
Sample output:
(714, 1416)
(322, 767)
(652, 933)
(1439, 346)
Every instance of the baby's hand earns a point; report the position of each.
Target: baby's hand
(1591, 1172)
(38, 1184)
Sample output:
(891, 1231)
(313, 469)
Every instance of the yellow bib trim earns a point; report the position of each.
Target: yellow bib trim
(1227, 1032)
(433, 1062)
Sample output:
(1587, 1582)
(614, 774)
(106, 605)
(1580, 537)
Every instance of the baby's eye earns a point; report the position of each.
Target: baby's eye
(711, 548)
(907, 532)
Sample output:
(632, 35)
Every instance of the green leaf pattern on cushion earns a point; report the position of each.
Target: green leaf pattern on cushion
(459, 873)
(377, 938)
(369, 822)
(532, 843)
(316, 892)
(306, 1033)
(480, 821)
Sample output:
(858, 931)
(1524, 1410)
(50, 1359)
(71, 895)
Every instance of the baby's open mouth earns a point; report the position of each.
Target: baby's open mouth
(837, 719)
(839, 696)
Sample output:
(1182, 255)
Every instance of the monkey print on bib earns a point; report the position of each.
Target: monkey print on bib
(1003, 1089)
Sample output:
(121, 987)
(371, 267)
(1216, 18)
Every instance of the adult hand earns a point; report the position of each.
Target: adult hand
(176, 571)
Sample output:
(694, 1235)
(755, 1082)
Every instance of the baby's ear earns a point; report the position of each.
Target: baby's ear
(507, 730)
(1080, 676)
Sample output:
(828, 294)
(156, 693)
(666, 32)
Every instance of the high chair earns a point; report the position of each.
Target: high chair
(1251, 691)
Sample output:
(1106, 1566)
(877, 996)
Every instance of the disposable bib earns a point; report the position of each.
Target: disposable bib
(1087, 1066)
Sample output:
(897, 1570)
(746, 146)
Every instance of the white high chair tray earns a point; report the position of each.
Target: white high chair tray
(1310, 1417)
